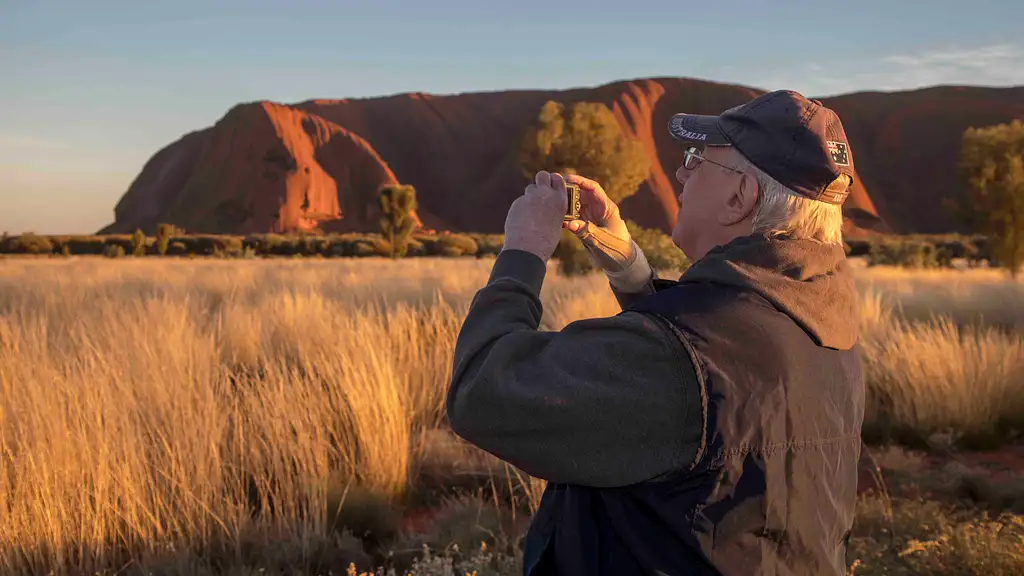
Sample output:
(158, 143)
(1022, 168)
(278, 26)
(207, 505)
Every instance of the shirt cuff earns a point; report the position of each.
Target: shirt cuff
(526, 267)
(633, 277)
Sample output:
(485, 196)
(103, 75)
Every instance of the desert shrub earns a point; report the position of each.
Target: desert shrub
(210, 244)
(855, 248)
(910, 253)
(985, 249)
(91, 245)
(658, 247)
(28, 243)
(920, 250)
(415, 248)
(457, 245)
(918, 536)
(488, 244)
(339, 247)
(123, 241)
(270, 244)
(962, 247)
(177, 248)
(946, 251)
(355, 245)
(293, 245)
(449, 245)
(114, 251)
(573, 258)
(288, 246)
(372, 246)
(429, 241)
(315, 245)
(58, 242)
(232, 246)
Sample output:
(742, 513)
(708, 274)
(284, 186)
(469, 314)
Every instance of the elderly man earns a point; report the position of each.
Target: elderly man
(713, 426)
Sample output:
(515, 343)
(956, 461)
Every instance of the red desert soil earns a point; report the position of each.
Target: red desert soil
(267, 166)
(998, 470)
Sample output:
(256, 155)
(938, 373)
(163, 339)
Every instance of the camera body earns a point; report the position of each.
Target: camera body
(573, 210)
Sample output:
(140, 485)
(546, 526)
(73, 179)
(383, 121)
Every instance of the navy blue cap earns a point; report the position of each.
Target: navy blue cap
(798, 142)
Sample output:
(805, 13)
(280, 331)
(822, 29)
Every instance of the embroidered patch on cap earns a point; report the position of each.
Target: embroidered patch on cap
(838, 151)
(683, 133)
(686, 134)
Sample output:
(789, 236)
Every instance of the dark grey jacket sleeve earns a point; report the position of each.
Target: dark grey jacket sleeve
(603, 402)
(627, 299)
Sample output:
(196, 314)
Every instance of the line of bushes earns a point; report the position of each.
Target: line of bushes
(255, 245)
(922, 251)
(913, 251)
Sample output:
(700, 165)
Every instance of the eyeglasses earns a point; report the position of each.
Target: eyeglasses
(692, 158)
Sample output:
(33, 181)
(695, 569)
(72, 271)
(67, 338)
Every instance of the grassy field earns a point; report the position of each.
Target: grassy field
(225, 416)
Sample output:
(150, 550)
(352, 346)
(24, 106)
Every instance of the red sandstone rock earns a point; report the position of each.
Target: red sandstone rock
(267, 166)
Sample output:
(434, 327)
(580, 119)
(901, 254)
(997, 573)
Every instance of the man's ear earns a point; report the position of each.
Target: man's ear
(741, 202)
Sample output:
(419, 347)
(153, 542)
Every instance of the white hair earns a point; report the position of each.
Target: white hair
(783, 212)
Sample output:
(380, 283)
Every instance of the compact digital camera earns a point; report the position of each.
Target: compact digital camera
(573, 210)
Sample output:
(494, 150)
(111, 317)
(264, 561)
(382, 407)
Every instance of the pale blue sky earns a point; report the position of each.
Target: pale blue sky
(89, 90)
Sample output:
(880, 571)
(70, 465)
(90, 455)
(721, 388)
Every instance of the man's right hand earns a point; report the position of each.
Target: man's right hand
(602, 230)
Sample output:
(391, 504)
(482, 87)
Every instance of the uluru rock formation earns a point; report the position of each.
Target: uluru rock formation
(318, 164)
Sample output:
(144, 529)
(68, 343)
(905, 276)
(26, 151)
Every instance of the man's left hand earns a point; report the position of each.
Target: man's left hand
(534, 221)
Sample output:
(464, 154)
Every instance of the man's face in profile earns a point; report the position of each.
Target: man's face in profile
(706, 188)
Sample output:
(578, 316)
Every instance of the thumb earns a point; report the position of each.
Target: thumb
(576, 226)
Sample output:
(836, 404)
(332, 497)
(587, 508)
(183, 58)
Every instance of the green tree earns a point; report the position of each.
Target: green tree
(585, 139)
(397, 203)
(992, 163)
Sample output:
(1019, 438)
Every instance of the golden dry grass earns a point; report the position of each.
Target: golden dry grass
(148, 408)
(944, 354)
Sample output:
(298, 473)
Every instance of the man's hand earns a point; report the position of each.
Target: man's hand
(533, 220)
(602, 230)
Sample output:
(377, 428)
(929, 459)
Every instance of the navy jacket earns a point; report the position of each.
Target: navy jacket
(772, 489)
(710, 427)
